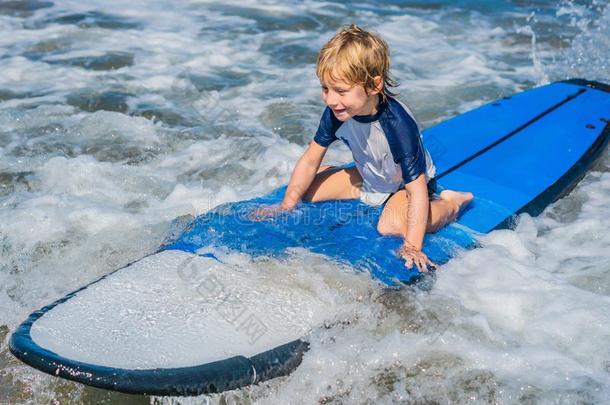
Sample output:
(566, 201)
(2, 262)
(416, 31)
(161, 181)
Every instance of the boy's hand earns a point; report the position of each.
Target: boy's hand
(412, 255)
(267, 212)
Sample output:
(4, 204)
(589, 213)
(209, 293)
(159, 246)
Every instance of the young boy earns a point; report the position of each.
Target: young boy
(392, 166)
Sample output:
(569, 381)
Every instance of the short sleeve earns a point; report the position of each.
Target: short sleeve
(412, 167)
(325, 135)
(404, 140)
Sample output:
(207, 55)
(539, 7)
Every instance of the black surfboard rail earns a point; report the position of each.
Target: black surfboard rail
(589, 83)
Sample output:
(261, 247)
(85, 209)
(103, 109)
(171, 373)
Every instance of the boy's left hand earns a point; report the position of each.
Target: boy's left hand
(267, 212)
(412, 255)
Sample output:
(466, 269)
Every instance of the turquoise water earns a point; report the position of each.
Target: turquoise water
(117, 117)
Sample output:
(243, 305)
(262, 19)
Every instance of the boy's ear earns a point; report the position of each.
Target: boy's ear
(378, 84)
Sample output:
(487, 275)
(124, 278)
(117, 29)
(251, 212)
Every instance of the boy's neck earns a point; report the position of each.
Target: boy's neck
(372, 106)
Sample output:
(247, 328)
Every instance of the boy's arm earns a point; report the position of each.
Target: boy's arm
(417, 220)
(417, 211)
(303, 174)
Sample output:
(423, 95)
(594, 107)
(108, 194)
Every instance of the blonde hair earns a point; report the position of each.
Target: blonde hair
(356, 56)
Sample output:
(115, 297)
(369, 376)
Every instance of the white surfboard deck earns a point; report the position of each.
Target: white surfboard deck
(177, 309)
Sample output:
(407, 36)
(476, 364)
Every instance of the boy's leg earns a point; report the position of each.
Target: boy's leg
(393, 219)
(334, 184)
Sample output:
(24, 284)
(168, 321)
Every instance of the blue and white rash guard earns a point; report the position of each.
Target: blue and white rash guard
(387, 147)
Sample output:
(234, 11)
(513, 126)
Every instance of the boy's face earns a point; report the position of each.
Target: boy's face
(346, 99)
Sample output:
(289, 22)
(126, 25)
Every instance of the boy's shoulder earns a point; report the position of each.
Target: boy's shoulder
(396, 116)
(329, 124)
(398, 110)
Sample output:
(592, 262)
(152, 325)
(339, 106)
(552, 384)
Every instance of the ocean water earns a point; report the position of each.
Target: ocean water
(117, 117)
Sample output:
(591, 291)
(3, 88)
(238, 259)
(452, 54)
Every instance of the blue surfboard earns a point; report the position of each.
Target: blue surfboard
(516, 154)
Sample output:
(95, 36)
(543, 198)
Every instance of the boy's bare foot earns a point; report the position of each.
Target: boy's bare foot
(459, 198)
